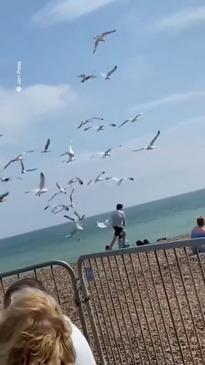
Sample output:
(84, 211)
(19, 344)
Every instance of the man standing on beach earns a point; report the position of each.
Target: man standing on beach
(118, 223)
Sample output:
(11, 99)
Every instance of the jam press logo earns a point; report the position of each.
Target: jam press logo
(18, 74)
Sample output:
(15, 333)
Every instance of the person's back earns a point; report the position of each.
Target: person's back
(118, 218)
(199, 230)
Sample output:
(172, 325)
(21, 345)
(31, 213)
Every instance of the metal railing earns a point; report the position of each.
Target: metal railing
(59, 279)
(148, 302)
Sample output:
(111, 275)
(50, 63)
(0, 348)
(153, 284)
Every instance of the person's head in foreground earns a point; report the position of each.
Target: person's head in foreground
(119, 206)
(33, 331)
(200, 222)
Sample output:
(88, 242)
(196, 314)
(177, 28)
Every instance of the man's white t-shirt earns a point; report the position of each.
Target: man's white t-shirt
(84, 354)
(118, 218)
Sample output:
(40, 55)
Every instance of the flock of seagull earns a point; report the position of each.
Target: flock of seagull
(69, 156)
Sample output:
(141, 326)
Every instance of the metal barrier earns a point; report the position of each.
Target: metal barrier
(148, 303)
(59, 280)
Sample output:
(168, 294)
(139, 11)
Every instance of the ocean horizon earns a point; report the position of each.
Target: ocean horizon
(167, 217)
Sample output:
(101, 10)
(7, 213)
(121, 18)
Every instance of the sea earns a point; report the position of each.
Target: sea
(168, 217)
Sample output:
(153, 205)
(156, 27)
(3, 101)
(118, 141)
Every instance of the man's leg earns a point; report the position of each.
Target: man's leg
(114, 240)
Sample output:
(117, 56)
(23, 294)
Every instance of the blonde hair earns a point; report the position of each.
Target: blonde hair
(34, 331)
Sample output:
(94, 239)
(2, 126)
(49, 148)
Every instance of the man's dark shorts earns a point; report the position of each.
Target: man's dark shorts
(118, 231)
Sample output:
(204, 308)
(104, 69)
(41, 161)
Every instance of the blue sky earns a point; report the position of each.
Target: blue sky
(159, 50)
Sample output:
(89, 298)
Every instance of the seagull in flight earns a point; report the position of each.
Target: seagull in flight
(55, 209)
(120, 180)
(5, 179)
(103, 154)
(61, 190)
(46, 146)
(90, 120)
(16, 159)
(97, 179)
(28, 170)
(106, 76)
(41, 189)
(132, 120)
(75, 180)
(151, 145)
(86, 77)
(3, 196)
(71, 198)
(103, 224)
(70, 153)
(78, 226)
(101, 38)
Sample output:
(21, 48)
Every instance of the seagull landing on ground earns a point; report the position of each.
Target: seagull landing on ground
(132, 120)
(41, 189)
(101, 38)
(90, 120)
(120, 180)
(106, 76)
(75, 180)
(46, 146)
(3, 196)
(103, 224)
(151, 145)
(61, 190)
(70, 153)
(87, 77)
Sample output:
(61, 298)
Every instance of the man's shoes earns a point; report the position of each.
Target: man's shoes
(126, 245)
(108, 248)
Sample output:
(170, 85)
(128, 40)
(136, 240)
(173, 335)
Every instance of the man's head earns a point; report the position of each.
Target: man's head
(119, 206)
(200, 221)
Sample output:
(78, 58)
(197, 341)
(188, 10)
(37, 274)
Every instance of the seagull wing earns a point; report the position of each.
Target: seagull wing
(139, 149)
(30, 170)
(7, 165)
(96, 45)
(47, 144)
(71, 195)
(101, 225)
(71, 150)
(107, 33)
(22, 167)
(78, 226)
(2, 196)
(42, 181)
(154, 139)
(77, 215)
(53, 196)
(126, 121)
(82, 76)
(70, 218)
(58, 186)
(112, 71)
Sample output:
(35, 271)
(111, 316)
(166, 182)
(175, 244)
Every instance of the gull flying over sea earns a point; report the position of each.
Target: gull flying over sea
(41, 189)
(132, 120)
(70, 153)
(103, 224)
(106, 76)
(87, 77)
(61, 190)
(78, 226)
(101, 38)
(75, 180)
(55, 209)
(119, 180)
(46, 146)
(3, 196)
(151, 145)
(90, 120)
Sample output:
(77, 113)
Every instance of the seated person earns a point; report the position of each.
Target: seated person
(198, 232)
(33, 329)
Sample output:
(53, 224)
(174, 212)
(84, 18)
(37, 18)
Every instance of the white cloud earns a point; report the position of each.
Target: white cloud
(67, 10)
(170, 99)
(18, 110)
(181, 20)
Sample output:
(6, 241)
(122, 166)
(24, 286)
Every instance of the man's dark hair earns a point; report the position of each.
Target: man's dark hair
(200, 221)
(119, 206)
(21, 284)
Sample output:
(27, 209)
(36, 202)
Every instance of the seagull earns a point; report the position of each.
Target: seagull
(120, 180)
(103, 224)
(70, 153)
(86, 77)
(90, 120)
(100, 128)
(3, 196)
(57, 208)
(113, 125)
(101, 38)
(28, 170)
(46, 146)
(16, 159)
(151, 145)
(106, 76)
(99, 177)
(75, 180)
(78, 226)
(60, 191)
(5, 179)
(132, 120)
(71, 198)
(103, 154)
(41, 189)
(80, 217)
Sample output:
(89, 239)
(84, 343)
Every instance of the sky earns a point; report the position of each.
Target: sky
(159, 50)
